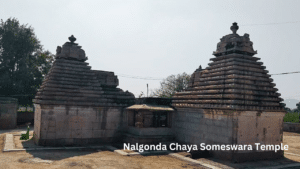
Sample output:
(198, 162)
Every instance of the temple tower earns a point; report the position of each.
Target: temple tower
(232, 101)
(76, 105)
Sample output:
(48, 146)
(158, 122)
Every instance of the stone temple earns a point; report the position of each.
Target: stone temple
(76, 105)
(232, 101)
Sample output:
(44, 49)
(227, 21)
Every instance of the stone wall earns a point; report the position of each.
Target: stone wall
(196, 126)
(291, 127)
(77, 125)
(8, 113)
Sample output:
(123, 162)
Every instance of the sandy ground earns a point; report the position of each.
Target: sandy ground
(86, 159)
(91, 158)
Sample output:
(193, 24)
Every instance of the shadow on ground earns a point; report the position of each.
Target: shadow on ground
(55, 155)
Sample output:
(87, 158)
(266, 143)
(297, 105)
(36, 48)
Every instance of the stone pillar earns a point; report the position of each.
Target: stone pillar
(139, 120)
(8, 112)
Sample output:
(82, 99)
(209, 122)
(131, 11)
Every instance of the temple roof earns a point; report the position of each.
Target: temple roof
(234, 43)
(71, 81)
(150, 107)
(234, 80)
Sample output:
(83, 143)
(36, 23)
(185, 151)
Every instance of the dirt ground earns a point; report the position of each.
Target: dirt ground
(90, 158)
(86, 159)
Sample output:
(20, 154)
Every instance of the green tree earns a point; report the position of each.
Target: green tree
(287, 109)
(298, 106)
(171, 84)
(23, 62)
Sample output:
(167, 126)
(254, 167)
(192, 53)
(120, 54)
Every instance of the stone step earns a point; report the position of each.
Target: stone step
(229, 91)
(233, 86)
(75, 98)
(235, 55)
(77, 76)
(227, 96)
(235, 59)
(234, 67)
(230, 72)
(67, 61)
(236, 63)
(229, 107)
(234, 76)
(237, 81)
(231, 102)
(66, 82)
(72, 72)
(79, 103)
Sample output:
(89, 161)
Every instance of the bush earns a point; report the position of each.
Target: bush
(291, 117)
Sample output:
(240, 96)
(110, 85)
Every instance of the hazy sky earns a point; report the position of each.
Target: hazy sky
(159, 38)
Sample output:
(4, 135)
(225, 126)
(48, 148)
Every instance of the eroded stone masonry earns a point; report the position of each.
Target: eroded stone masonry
(76, 105)
(232, 101)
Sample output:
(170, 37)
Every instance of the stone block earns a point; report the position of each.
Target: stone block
(87, 125)
(51, 129)
(208, 122)
(76, 133)
(113, 125)
(220, 123)
(51, 123)
(96, 125)
(202, 128)
(50, 135)
(98, 133)
(226, 131)
(64, 134)
(87, 133)
(110, 133)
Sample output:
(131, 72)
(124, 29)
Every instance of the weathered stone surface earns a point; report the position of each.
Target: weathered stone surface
(71, 81)
(75, 104)
(234, 80)
(8, 112)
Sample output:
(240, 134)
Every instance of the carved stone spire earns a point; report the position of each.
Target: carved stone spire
(234, 43)
(234, 27)
(72, 39)
(71, 50)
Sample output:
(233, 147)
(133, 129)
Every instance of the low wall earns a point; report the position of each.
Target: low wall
(76, 125)
(8, 112)
(291, 127)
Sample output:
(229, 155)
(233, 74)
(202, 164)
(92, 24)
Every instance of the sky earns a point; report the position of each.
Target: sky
(153, 39)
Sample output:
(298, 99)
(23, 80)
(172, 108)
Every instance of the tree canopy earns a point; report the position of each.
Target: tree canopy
(171, 84)
(23, 61)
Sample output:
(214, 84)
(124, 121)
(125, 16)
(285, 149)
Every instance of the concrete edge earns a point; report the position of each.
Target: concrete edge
(8, 142)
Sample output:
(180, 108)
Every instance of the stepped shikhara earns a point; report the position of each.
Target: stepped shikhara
(76, 105)
(71, 81)
(234, 80)
(231, 102)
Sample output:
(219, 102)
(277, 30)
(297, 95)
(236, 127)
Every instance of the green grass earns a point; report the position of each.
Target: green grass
(291, 117)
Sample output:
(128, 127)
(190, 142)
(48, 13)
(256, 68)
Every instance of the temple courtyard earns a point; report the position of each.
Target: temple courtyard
(109, 156)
